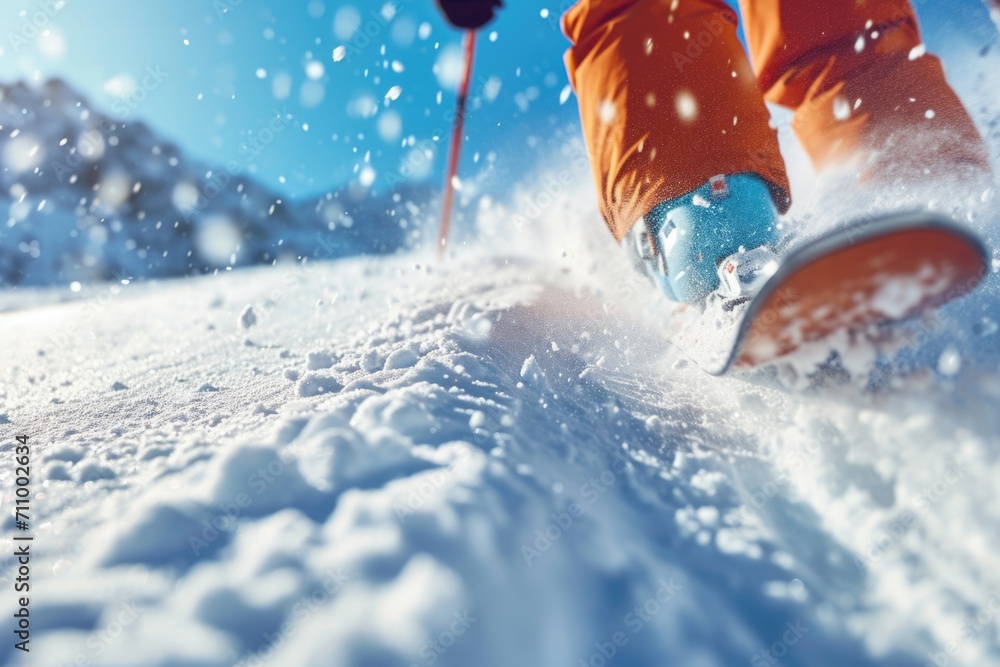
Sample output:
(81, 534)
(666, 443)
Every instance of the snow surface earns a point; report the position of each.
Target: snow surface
(480, 456)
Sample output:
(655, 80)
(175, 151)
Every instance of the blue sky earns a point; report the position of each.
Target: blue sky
(209, 73)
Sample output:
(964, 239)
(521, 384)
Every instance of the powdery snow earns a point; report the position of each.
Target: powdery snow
(492, 470)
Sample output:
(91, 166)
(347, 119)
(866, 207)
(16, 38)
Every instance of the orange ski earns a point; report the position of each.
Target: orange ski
(869, 273)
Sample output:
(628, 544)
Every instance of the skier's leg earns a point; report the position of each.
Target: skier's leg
(667, 100)
(861, 85)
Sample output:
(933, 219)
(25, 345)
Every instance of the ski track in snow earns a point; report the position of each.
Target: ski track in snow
(478, 464)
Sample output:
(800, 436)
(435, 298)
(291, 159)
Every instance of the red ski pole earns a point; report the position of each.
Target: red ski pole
(455, 148)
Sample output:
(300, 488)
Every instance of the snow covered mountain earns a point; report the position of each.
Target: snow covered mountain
(88, 196)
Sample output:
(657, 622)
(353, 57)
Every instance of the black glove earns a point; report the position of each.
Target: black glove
(469, 13)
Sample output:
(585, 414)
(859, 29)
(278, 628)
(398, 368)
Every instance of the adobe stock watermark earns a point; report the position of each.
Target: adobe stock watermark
(699, 42)
(550, 187)
(897, 529)
(421, 154)
(772, 655)
(554, 17)
(985, 617)
(255, 144)
(760, 332)
(368, 31)
(226, 519)
(629, 284)
(632, 624)
(153, 77)
(329, 245)
(100, 640)
(34, 23)
(91, 143)
(933, 322)
(223, 7)
(428, 485)
(333, 582)
(431, 651)
(824, 435)
(68, 335)
(591, 491)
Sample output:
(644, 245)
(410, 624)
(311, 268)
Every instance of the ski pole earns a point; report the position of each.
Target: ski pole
(456, 142)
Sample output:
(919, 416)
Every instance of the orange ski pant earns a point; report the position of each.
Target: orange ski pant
(668, 98)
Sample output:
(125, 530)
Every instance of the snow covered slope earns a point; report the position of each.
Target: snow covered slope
(495, 462)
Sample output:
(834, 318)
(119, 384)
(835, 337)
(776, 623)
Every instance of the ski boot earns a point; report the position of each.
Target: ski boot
(718, 239)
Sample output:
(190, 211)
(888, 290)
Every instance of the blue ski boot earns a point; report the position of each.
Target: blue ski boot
(718, 237)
